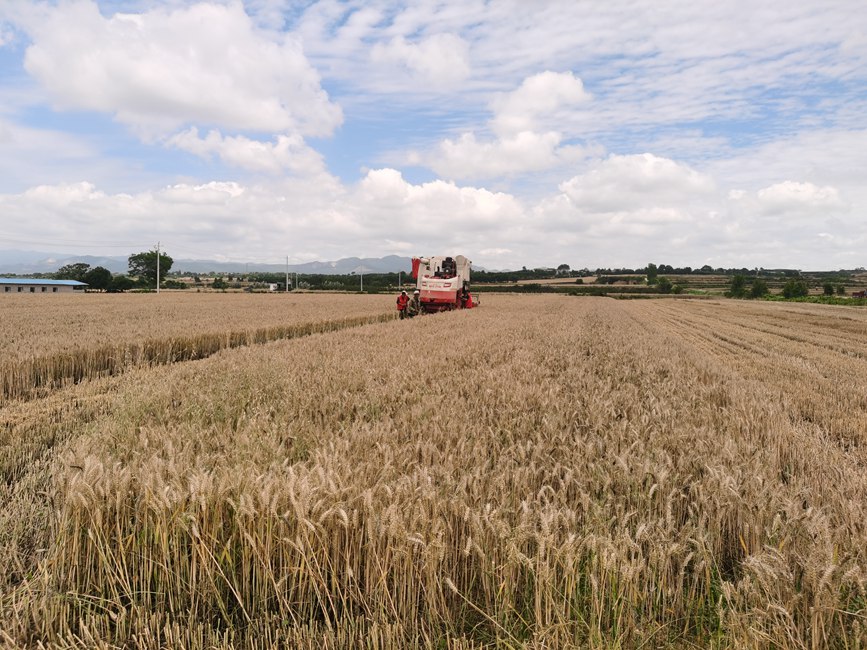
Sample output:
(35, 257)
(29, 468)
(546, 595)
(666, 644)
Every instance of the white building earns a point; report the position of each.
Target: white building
(37, 285)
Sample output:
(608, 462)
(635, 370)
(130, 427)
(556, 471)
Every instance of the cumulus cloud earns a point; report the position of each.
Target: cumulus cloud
(213, 193)
(63, 194)
(636, 182)
(214, 218)
(287, 153)
(469, 158)
(158, 70)
(622, 209)
(542, 99)
(791, 196)
(440, 59)
(382, 214)
(437, 208)
(520, 143)
(795, 218)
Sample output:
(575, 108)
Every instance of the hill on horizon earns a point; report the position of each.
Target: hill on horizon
(24, 262)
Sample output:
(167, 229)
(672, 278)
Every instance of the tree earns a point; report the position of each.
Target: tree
(76, 271)
(120, 283)
(563, 269)
(144, 265)
(841, 289)
(738, 287)
(759, 288)
(664, 285)
(98, 278)
(795, 289)
(652, 273)
(828, 289)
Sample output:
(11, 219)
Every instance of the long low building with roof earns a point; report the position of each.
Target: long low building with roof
(38, 285)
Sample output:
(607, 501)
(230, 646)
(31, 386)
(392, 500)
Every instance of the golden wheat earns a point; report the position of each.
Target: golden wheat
(543, 472)
(66, 339)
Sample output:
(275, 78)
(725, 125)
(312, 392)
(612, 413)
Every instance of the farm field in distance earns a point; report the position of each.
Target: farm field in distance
(545, 471)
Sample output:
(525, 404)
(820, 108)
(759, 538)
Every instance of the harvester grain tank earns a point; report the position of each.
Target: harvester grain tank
(443, 283)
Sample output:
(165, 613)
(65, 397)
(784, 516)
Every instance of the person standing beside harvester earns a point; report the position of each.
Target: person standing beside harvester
(413, 308)
(402, 302)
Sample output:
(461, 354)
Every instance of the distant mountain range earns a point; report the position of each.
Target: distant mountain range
(24, 262)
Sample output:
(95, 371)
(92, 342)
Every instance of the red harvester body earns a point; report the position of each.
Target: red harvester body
(443, 283)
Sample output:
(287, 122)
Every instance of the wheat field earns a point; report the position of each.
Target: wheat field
(542, 472)
(69, 338)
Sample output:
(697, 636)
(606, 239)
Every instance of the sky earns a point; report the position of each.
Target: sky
(515, 132)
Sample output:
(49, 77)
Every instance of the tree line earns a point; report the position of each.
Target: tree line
(744, 283)
(142, 273)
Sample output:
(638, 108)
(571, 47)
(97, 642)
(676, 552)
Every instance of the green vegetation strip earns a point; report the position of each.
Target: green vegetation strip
(35, 377)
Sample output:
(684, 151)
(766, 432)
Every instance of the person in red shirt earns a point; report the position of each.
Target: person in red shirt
(402, 301)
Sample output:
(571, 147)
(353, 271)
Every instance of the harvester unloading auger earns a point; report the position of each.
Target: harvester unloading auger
(443, 283)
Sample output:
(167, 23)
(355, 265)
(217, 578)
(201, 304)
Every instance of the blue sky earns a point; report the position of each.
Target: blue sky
(517, 133)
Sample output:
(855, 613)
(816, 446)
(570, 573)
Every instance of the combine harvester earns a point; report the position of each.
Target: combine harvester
(443, 283)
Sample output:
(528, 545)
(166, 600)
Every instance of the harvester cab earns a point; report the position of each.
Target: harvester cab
(443, 282)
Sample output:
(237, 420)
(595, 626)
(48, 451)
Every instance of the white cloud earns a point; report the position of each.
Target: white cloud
(752, 112)
(286, 153)
(468, 158)
(382, 214)
(646, 63)
(63, 195)
(213, 193)
(636, 182)
(823, 156)
(789, 210)
(518, 145)
(158, 70)
(541, 100)
(626, 211)
(441, 59)
(792, 196)
(439, 209)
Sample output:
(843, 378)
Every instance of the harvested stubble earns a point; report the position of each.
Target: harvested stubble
(66, 339)
(566, 475)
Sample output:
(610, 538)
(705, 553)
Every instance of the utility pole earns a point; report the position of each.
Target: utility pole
(158, 267)
(400, 279)
(362, 279)
(287, 274)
